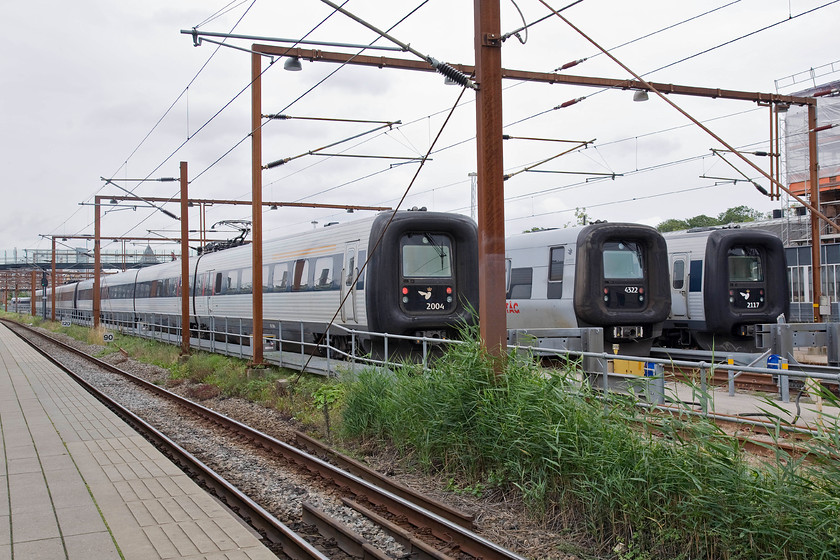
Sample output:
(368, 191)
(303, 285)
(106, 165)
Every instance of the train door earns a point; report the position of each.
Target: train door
(349, 273)
(209, 287)
(679, 285)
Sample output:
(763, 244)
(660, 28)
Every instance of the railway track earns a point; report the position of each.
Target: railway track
(333, 491)
(746, 380)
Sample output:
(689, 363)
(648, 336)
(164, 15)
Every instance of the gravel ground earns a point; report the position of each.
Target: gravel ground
(499, 518)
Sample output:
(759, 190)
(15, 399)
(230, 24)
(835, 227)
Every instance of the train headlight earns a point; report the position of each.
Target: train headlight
(448, 299)
(731, 300)
(405, 299)
(606, 298)
(405, 291)
(448, 290)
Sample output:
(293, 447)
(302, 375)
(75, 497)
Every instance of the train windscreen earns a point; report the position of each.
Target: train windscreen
(426, 256)
(623, 259)
(745, 265)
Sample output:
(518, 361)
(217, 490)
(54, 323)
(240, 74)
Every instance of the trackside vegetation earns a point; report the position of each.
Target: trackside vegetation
(203, 375)
(640, 486)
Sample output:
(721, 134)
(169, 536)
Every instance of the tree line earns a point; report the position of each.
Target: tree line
(738, 214)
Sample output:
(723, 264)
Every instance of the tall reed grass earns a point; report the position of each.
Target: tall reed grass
(683, 490)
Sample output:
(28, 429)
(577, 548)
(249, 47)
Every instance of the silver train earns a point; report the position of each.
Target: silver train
(22, 304)
(610, 275)
(724, 281)
(420, 280)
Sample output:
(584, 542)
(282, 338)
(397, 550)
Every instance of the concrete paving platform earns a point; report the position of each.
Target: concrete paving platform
(76, 482)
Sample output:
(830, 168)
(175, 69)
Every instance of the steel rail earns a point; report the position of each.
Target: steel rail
(362, 471)
(274, 530)
(443, 529)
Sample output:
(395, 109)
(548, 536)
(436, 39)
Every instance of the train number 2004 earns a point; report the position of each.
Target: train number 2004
(434, 306)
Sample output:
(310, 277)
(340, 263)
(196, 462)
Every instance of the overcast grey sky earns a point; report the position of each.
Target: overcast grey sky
(113, 89)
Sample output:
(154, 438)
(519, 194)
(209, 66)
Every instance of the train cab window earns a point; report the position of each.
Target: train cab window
(622, 259)
(678, 274)
(426, 255)
(745, 264)
(557, 257)
(521, 280)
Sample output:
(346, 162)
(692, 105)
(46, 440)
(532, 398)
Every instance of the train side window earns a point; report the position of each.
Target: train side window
(283, 285)
(507, 275)
(520, 283)
(351, 271)
(245, 281)
(695, 276)
(267, 280)
(678, 275)
(324, 273)
(360, 281)
(217, 288)
(301, 278)
(555, 272)
(231, 282)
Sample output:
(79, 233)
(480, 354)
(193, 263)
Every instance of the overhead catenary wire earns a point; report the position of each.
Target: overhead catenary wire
(611, 202)
(750, 34)
(649, 34)
(652, 33)
(308, 91)
(206, 123)
(319, 83)
(165, 113)
(283, 161)
(662, 96)
(674, 63)
(215, 115)
(220, 12)
(515, 32)
(439, 66)
(687, 125)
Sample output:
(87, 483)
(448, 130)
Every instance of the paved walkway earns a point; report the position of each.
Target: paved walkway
(76, 482)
